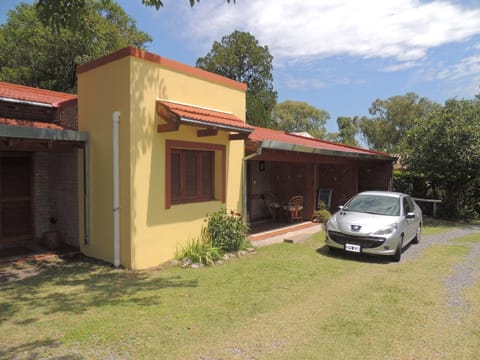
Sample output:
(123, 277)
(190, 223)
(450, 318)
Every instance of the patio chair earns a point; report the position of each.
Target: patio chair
(294, 208)
(272, 204)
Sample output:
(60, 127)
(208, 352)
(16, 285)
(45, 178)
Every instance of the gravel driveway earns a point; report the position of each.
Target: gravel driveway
(441, 238)
(464, 275)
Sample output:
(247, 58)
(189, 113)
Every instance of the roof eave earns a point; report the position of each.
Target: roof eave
(22, 132)
(195, 122)
(279, 145)
(27, 102)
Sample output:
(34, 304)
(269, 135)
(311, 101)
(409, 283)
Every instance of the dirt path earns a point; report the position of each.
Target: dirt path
(438, 239)
(464, 275)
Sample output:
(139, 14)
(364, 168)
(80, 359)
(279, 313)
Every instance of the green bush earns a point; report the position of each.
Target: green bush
(199, 251)
(322, 216)
(226, 231)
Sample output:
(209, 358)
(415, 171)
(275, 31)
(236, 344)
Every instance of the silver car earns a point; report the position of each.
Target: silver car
(375, 222)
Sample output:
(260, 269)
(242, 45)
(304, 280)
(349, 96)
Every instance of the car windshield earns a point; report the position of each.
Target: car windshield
(374, 204)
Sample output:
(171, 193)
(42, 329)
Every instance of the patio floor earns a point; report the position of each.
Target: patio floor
(34, 251)
(268, 232)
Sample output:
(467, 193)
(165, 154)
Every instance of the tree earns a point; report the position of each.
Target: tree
(159, 3)
(445, 148)
(35, 54)
(392, 118)
(238, 56)
(61, 14)
(347, 129)
(298, 116)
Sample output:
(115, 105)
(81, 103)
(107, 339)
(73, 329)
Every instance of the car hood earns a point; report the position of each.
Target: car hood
(347, 222)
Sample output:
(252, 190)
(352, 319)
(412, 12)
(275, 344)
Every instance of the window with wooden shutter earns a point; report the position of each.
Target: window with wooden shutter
(191, 172)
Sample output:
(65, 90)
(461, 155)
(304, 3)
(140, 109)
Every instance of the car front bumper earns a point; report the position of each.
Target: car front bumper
(367, 244)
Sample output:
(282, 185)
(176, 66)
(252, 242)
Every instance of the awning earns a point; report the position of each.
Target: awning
(210, 120)
(42, 133)
(281, 140)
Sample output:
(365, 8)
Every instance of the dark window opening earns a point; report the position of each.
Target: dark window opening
(192, 175)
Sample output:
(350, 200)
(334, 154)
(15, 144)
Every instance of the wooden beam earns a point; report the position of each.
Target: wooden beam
(165, 113)
(167, 127)
(172, 120)
(240, 136)
(207, 132)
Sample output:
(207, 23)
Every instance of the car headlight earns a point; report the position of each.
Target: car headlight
(390, 229)
(331, 224)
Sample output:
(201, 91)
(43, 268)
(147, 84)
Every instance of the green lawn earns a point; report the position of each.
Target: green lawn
(288, 301)
(436, 226)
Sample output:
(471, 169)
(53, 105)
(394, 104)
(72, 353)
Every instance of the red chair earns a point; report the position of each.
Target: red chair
(294, 208)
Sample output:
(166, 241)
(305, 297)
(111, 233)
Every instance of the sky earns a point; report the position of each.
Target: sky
(336, 55)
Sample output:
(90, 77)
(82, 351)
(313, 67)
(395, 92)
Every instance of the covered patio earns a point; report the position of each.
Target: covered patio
(281, 165)
(39, 168)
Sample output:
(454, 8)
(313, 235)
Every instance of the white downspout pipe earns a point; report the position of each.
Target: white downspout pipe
(86, 193)
(116, 188)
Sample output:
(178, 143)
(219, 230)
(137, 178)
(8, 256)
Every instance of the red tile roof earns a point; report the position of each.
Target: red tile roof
(209, 116)
(26, 93)
(262, 134)
(34, 124)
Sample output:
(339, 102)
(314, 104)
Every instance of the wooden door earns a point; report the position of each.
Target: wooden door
(15, 199)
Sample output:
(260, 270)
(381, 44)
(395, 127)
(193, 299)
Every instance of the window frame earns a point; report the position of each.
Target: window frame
(173, 146)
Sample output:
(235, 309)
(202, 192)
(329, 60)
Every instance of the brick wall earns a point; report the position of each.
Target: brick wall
(68, 116)
(63, 194)
(56, 194)
(40, 191)
(26, 112)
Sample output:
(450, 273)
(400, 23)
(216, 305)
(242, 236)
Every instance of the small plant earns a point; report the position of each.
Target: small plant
(200, 251)
(226, 231)
(322, 215)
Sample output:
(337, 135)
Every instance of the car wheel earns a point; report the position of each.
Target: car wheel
(398, 252)
(418, 236)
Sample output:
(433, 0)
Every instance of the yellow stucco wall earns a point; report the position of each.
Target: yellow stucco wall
(101, 92)
(150, 233)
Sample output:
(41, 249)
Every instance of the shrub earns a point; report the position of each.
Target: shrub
(322, 216)
(199, 250)
(226, 231)
(322, 205)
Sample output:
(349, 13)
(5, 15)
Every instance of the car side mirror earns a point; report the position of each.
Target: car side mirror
(410, 215)
(340, 208)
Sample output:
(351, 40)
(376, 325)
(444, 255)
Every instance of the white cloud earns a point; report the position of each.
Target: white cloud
(468, 67)
(403, 30)
(400, 66)
(460, 79)
(303, 84)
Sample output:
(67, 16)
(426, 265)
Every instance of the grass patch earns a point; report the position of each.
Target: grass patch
(432, 226)
(289, 301)
(471, 238)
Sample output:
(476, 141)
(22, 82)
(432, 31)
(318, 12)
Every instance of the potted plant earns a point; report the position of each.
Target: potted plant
(52, 238)
(322, 214)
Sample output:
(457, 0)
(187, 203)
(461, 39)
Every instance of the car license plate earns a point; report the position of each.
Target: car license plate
(352, 248)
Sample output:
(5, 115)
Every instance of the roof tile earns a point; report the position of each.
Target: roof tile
(26, 93)
(209, 116)
(264, 134)
(33, 124)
